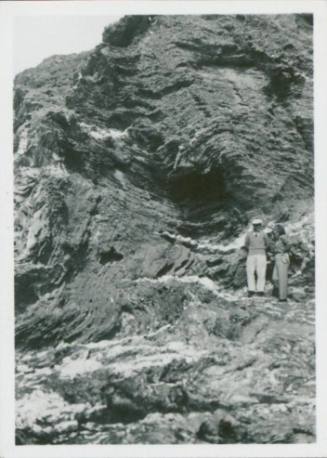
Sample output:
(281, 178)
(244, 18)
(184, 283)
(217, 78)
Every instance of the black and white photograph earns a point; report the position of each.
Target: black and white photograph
(164, 229)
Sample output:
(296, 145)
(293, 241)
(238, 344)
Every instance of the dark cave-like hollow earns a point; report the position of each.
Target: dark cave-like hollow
(196, 187)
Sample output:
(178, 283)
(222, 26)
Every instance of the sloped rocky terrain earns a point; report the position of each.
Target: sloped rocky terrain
(138, 167)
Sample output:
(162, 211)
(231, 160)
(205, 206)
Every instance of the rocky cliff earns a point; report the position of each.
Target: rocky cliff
(138, 167)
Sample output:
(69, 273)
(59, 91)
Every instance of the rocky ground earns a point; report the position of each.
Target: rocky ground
(227, 369)
(138, 167)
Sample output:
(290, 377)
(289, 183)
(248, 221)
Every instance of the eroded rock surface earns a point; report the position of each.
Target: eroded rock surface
(138, 166)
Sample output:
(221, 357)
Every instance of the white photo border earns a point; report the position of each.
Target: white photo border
(8, 11)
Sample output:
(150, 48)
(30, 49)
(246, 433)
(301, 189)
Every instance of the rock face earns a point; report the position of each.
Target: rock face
(137, 169)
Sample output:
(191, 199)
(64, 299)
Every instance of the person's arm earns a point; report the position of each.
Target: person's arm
(268, 244)
(286, 245)
(243, 252)
(245, 247)
(246, 242)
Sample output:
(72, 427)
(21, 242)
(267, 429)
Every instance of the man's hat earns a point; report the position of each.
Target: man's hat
(257, 221)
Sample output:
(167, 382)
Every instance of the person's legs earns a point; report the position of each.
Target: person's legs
(250, 269)
(282, 279)
(261, 272)
(275, 291)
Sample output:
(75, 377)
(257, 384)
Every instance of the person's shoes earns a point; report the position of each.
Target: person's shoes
(282, 300)
(251, 293)
(260, 293)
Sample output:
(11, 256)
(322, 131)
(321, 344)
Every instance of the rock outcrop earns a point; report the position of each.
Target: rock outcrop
(138, 167)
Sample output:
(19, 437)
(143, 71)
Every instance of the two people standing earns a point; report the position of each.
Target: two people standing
(258, 245)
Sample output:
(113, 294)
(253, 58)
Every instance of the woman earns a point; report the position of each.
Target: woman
(282, 262)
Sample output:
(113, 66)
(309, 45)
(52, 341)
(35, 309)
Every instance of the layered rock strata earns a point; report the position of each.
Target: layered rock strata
(138, 167)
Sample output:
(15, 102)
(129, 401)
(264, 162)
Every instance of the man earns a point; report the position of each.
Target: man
(256, 243)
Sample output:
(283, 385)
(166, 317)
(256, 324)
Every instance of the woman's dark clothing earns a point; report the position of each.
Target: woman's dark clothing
(282, 262)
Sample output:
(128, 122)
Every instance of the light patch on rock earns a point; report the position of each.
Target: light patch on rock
(36, 227)
(37, 405)
(297, 227)
(205, 282)
(57, 168)
(23, 142)
(120, 356)
(79, 78)
(52, 410)
(120, 177)
(160, 357)
(23, 369)
(208, 245)
(73, 367)
(99, 133)
(220, 247)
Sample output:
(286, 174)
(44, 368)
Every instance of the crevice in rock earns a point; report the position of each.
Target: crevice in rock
(164, 270)
(25, 294)
(111, 255)
(120, 414)
(173, 88)
(305, 129)
(77, 258)
(282, 77)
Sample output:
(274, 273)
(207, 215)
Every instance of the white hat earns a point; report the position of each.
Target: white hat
(257, 221)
